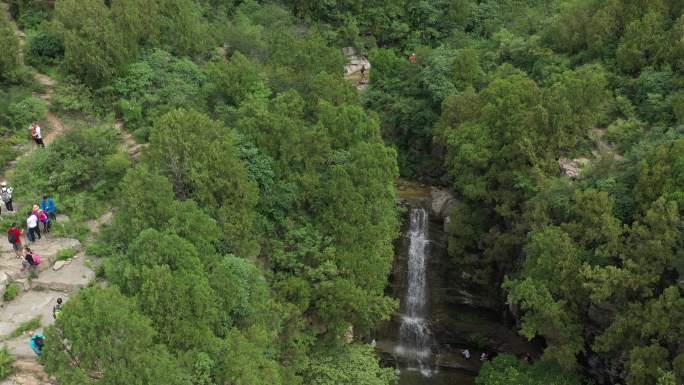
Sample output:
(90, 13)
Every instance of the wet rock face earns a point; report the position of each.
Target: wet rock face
(442, 202)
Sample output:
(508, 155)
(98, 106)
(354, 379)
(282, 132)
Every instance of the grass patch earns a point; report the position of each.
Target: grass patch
(66, 253)
(6, 360)
(11, 292)
(70, 229)
(32, 324)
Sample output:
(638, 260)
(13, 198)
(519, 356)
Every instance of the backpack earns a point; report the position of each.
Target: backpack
(11, 237)
(36, 259)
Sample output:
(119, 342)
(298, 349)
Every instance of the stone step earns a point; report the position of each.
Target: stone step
(27, 306)
(65, 276)
(48, 248)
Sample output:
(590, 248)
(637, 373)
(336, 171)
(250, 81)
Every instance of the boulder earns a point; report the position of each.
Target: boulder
(572, 167)
(354, 61)
(442, 202)
(59, 264)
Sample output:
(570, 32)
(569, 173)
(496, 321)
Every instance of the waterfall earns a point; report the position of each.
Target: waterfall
(414, 333)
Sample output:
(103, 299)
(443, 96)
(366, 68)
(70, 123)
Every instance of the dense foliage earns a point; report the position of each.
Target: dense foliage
(257, 226)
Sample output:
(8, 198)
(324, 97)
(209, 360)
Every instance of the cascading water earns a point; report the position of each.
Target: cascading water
(414, 333)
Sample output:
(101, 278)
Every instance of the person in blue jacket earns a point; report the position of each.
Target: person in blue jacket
(48, 205)
(37, 342)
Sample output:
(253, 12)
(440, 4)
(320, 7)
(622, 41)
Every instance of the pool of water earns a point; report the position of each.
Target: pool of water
(413, 377)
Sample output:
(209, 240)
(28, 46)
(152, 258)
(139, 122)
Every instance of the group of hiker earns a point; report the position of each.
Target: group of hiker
(40, 216)
(38, 222)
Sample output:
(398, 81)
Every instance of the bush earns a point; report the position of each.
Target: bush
(42, 46)
(32, 18)
(625, 133)
(70, 229)
(86, 160)
(66, 253)
(71, 96)
(6, 361)
(11, 292)
(22, 113)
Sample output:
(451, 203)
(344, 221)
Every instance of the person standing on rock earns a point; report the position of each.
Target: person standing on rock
(57, 309)
(32, 225)
(14, 237)
(6, 196)
(44, 220)
(36, 135)
(48, 205)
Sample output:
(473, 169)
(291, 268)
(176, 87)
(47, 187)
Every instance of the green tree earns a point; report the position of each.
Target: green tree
(95, 48)
(200, 158)
(507, 369)
(349, 365)
(9, 45)
(101, 338)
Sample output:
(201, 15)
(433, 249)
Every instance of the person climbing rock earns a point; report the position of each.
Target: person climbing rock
(32, 225)
(37, 342)
(44, 220)
(30, 262)
(6, 196)
(48, 205)
(14, 237)
(57, 309)
(36, 135)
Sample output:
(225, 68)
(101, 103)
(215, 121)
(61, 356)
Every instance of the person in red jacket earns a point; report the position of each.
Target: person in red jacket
(14, 237)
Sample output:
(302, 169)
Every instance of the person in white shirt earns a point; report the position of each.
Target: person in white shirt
(32, 225)
(6, 196)
(36, 135)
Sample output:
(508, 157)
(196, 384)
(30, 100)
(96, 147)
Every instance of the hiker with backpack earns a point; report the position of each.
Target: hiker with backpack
(48, 205)
(44, 220)
(57, 309)
(36, 135)
(6, 196)
(32, 225)
(30, 262)
(37, 342)
(14, 237)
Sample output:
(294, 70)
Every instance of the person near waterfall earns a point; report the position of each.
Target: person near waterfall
(36, 135)
(6, 195)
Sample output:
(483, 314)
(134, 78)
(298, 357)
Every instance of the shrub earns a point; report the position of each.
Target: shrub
(70, 229)
(85, 160)
(11, 292)
(32, 18)
(71, 96)
(44, 46)
(66, 253)
(6, 361)
(22, 113)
